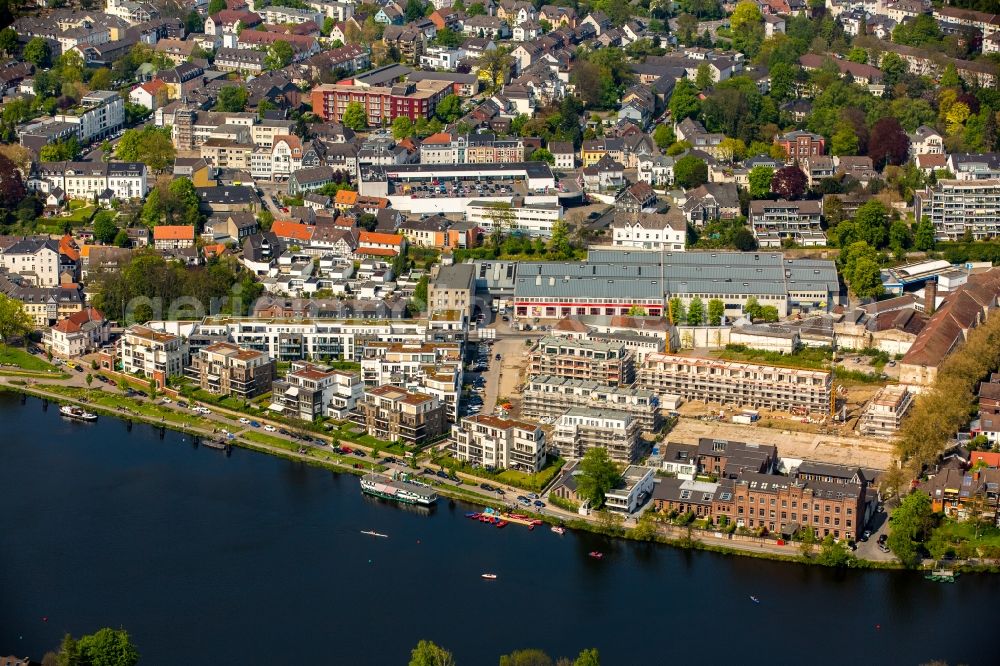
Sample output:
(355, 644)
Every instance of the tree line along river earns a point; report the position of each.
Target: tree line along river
(209, 559)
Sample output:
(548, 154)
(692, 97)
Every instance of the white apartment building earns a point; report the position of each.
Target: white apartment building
(957, 207)
(86, 180)
(152, 354)
(338, 11)
(582, 428)
(536, 219)
(649, 232)
(434, 368)
(497, 443)
(276, 15)
(35, 260)
(100, 114)
(294, 339)
(440, 57)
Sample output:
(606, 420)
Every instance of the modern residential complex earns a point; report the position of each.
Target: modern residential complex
(584, 428)
(225, 369)
(737, 384)
(392, 413)
(499, 443)
(547, 396)
(607, 363)
(152, 354)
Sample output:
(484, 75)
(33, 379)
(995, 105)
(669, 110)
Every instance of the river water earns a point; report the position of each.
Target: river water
(250, 559)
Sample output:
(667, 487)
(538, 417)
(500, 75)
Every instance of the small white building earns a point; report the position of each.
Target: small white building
(649, 231)
(635, 490)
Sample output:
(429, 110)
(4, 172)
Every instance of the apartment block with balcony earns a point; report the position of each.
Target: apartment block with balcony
(152, 354)
(958, 208)
(582, 428)
(549, 397)
(432, 367)
(609, 363)
(737, 384)
(308, 391)
(383, 104)
(776, 221)
(497, 443)
(225, 369)
(392, 413)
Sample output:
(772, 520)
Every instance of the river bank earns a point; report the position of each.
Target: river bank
(671, 536)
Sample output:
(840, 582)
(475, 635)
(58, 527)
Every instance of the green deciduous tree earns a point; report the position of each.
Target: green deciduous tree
(834, 553)
(231, 98)
(716, 311)
(598, 475)
(105, 229)
(910, 525)
(428, 653)
(871, 223)
(677, 313)
(663, 135)
(402, 127)
(923, 236)
(591, 657)
(106, 647)
(355, 116)
(15, 323)
(38, 53)
(760, 178)
(529, 657)
(449, 109)
(151, 145)
(696, 312)
(684, 101)
(690, 172)
(279, 55)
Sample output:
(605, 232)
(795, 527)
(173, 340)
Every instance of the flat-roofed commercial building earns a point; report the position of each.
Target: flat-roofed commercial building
(547, 396)
(611, 282)
(497, 443)
(737, 384)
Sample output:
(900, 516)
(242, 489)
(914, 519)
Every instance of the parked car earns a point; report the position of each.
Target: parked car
(254, 424)
(540, 504)
(346, 449)
(244, 420)
(270, 428)
(487, 487)
(497, 357)
(359, 453)
(442, 474)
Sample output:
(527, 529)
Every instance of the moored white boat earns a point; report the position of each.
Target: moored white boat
(78, 413)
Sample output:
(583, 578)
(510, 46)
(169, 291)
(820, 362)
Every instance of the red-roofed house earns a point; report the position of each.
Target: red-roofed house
(78, 334)
(987, 458)
(173, 237)
(151, 94)
(293, 232)
(372, 243)
(231, 22)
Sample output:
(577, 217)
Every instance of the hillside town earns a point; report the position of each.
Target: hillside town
(680, 265)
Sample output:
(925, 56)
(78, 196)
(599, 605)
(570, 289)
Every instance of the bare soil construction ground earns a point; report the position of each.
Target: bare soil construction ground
(842, 450)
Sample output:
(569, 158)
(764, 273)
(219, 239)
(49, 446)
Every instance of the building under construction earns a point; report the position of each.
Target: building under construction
(738, 384)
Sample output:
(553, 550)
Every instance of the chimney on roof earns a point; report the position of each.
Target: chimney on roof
(930, 296)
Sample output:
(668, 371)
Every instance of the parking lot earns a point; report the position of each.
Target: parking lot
(455, 188)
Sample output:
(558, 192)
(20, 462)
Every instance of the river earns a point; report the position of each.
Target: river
(250, 559)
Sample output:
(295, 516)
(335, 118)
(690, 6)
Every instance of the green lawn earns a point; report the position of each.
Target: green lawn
(958, 534)
(532, 482)
(22, 359)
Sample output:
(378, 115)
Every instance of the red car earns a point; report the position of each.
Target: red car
(346, 449)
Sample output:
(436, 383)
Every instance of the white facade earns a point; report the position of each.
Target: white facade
(497, 443)
(35, 261)
(152, 354)
(85, 180)
(635, 489)
(662, 236)
(535, 219)
(101, 114)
